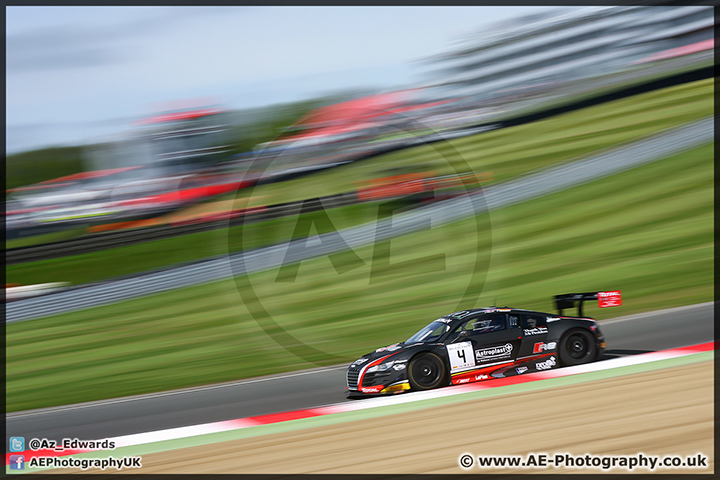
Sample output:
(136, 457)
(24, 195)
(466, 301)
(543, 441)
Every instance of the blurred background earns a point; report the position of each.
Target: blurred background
(143, 144)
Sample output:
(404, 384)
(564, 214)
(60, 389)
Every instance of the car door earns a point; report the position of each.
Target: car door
(534, 334)
(491, 339)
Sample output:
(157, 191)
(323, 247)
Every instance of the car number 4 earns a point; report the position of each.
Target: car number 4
(461, 355)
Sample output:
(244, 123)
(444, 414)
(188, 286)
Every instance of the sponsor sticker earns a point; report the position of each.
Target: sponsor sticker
(482, 377)
(397, 387)
(375, 389)
(520, 370)
(359, 361)
(535, 331)
(542, 347)
(547, 364)
(494, 352)
(389, 348)
(609, 299)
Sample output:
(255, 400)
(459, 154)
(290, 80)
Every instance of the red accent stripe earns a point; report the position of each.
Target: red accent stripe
(371, 364)
(534, 357)
(459, 377)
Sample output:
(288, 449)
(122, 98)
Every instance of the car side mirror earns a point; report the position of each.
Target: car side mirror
(462, 334)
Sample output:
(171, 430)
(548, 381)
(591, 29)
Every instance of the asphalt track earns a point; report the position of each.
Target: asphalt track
(630, 335)
(546, 181)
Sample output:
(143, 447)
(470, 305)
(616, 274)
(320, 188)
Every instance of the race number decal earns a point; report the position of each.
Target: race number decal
(461, 355)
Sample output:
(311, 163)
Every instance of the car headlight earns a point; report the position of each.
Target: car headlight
(383, 367)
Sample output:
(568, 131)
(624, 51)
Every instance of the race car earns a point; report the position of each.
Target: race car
(482, 344)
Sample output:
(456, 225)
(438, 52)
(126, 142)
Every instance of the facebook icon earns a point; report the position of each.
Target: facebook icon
(17, 462)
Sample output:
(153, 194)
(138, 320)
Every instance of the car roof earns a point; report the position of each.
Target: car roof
(463, 314)
(466, 313)
(472, 311)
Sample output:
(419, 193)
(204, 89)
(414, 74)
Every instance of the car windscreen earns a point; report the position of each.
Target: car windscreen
(431, 332)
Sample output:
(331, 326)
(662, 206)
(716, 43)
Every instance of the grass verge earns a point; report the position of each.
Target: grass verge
(45, 238)
(141, 257)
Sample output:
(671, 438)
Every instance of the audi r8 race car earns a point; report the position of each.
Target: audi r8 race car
(482, 344)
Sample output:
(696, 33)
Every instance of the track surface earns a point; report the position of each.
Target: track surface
(668, 411)
(625, 336)
(531, 186)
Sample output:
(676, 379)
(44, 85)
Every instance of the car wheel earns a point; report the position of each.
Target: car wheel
(577, 347)
(426, 372)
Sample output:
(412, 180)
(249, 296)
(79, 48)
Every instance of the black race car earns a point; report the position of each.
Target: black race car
(482, 344)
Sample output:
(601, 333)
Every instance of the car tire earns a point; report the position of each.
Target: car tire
(577, 347)
(426, 371)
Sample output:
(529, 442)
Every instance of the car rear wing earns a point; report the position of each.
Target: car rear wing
(605, 299)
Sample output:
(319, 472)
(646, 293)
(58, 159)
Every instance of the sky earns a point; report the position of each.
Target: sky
(76, 74)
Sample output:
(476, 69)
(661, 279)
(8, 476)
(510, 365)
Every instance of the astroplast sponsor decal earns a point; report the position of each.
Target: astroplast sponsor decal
(499, 351)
